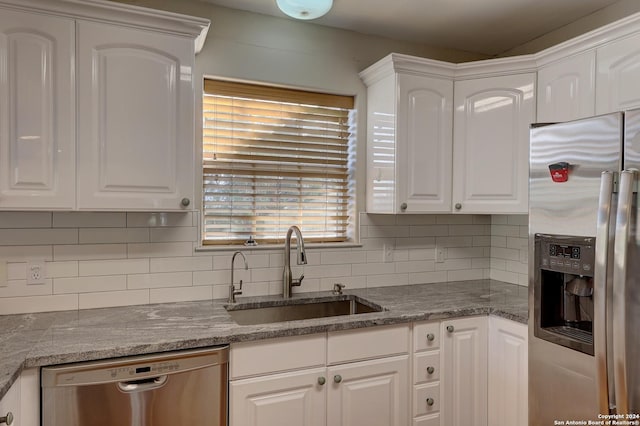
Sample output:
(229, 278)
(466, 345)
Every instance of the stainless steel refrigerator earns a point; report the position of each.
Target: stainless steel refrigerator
(584, 270)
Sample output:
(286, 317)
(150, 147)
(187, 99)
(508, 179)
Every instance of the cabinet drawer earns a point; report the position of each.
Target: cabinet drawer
(426, 367)
(432, 420)
(422, 396)
(275, 355)
(426, 336)
(375, 342)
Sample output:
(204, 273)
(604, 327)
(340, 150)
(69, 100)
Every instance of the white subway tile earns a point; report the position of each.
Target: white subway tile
(152, 220)
(377, 219)
(505, 230)
(508, 277)
(499, 219)
(113, 298)
(350, 282)
(498, 264)
(523, 280)
(401, 255)
(89, 220)
(18, 288)
(177, 264)
(168, 279)
(23, 253)
(517, 267)
(464, 275)
(89, 252)
(113, 267)
(454, 219)
(481, 219)
(308, 285)
(482, 263)
(113, 235)
(388, 231)
(342, 257)
(37, 236)
(416, 242)
(470, 230)
(160, 249)
(416, 219)
(524, 256)
(428, 277)
(267, 274)
(484, 240)
(429, 231)
(498, 241)
(422, 254)
(61, 269)
(376, 243)
(524, 232)
(169, 234)
(452, 264)
(180, 294)
(363, 232)
(517, 243)
(505, 253)
(89, 284)
(373, 268)
(387, 280)
(464, 252)
(518, 219)
(30, 304)
(25, 220)
(318, 271)
(257, 289)
(212, 277)
(454, 241)
(415, 266)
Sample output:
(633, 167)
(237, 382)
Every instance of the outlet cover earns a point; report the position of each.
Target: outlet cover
(439, 254)
(35, 272)
(387, 253)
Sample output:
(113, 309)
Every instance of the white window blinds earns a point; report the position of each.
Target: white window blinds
(273, 158)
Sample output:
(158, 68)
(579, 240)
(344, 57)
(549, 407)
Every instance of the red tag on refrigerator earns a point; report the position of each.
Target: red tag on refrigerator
(559, 171)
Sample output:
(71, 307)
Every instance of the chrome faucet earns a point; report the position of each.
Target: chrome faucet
(232, 289)
(287, 281)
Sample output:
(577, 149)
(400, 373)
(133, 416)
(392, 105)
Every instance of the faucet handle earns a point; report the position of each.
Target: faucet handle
(297, 282)
(239, 290)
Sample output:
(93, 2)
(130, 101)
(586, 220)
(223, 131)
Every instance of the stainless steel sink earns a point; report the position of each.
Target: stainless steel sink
(298, 309)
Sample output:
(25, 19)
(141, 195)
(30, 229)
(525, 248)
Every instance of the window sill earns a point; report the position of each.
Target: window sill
(307, 246)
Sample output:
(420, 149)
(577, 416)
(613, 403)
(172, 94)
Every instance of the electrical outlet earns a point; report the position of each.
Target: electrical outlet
(35, 272)
(3, 273)
(439, 254)
(387, 253)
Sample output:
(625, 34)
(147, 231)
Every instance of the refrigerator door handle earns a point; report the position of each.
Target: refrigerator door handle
(600, 291)
(622, 235)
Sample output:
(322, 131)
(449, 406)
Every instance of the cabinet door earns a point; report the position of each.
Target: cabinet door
(424, 144)
(289, 399)
(136, 119)
(10, 403)
(508, 373)
(464, 372)
(37, 112)
(618, 77)
(491, 144)
(567, 89)
(372, 393)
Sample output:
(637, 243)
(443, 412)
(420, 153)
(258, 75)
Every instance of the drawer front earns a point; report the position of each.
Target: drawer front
(426, 367)
(432, 420)
(367, 343)
(426, 336)
(426, 399)
(274, 355)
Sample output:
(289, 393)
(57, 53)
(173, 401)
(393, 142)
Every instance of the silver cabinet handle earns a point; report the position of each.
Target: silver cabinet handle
(337, 378)
(430, 402)
(430, 370)
(458, 206)
(403, 206)
(431, 337)
(450, 328)
(321, 380)
(185, 202)
(8, 419)
(142, 385)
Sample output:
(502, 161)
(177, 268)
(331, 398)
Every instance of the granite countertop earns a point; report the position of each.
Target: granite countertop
(33, 340)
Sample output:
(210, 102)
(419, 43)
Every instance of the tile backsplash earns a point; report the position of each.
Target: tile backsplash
(114, 259)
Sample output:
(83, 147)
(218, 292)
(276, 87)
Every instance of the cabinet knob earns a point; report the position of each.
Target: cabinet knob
(337, 378)
(185, 202)
(403, 206)
(8, 419)
(450, 328)
(431, 337)
(321, 380)
(430, 402)
(458, 206)
(430, 370)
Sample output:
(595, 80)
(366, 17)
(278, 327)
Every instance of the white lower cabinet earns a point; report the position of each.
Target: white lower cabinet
(10, 405)
(508, 372)
(352, 392)
(22, 400)
(464, 371)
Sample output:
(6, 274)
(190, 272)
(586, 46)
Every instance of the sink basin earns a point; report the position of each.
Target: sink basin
(299, 309)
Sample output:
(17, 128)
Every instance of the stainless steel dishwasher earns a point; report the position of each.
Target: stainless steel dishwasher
(171, 389)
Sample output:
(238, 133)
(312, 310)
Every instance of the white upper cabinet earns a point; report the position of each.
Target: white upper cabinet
(567, 88)
(96, 106)
(409, 122)
(135, 119)
(37, 111)
(618, 77)
(491, 143)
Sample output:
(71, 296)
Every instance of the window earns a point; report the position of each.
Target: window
(273, 158)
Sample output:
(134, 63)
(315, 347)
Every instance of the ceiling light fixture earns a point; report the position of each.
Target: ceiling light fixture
(305, 9)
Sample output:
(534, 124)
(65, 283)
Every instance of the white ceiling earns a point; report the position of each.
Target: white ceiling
(487, 27)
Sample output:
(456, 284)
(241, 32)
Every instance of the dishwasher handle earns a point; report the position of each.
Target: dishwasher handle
(142, 384)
